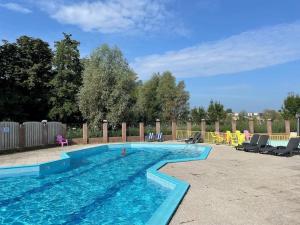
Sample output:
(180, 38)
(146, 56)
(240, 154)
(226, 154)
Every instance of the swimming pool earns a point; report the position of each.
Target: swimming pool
(99, 185)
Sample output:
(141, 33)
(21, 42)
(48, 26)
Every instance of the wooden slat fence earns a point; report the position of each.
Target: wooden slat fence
(33, 134)
(9, 135)
(54, 128)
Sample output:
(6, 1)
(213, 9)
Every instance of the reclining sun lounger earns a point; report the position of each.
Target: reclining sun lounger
(253, 142)
(196, 139)
(262, 143)
(159, 137)
(150, 137)
(282, 150)
(191, 138)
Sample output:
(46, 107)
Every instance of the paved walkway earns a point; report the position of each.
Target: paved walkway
(230, 187)
(35, 156)
(239, 188)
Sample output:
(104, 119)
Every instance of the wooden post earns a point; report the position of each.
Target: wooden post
(174, 127)
(189, 128)
(64, 130)
(287, 125)
(269, 126)
(21, 136)
(85, 135)
(203, 128)
(142, 132)
(45, 134)
(105, 131)
(251, 125)
(233, 124)
(157, 126)
(124, 134)
(217, 126)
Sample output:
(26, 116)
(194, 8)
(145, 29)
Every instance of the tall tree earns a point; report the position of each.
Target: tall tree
(25, 72)
(291, 106)
(67, 81)
(160, 97)
(11, 100)
(148, 105)
(173, 98)
(197, 114)
(108, 87)
(216, 112)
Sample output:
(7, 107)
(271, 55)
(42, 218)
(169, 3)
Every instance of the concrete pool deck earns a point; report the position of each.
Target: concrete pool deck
(229, 187)
(234, 187)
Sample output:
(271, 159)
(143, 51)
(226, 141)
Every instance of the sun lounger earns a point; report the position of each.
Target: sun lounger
(197, 138)
(288, 150)
(262, 143)
(253, 142)
(191, 138)
(159, 137)
(150, 137)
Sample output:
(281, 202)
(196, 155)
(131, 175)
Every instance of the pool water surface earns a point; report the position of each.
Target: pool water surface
(108, 187)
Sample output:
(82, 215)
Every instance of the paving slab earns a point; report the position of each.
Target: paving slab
(238, 188)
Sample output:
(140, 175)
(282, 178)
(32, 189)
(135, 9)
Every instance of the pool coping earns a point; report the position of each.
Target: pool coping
(163, 213)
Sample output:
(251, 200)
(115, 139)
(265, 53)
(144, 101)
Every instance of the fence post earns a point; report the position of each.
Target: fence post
(203, 128)
(105, 131)
(269, 126)
(233, 124)
(45, 134)
(85, 135)
(64, 130)
(189, 128)
(174, 127)
(287, 125)
(217, 126)
(124, 135)
(142, 132)
(251, 125)
(21, 136)
(157, 126)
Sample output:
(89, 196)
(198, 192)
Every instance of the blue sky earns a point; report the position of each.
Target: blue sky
(245, 54)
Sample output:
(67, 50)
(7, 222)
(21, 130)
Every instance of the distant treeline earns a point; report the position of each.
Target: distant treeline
(38, 83)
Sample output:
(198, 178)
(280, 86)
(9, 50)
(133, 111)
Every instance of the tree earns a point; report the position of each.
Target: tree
(67, 81)
(173, 98)
(229, 111)
(271, 114)
(11, 92)
(148, 106)
(197, 114)
(108, 87)
(26, 69)
(291, 106)
(215, 112)
(160, 97)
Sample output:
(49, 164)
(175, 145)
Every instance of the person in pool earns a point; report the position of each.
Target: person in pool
(123, 152)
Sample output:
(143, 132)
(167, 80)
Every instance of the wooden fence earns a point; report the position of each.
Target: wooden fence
(29, 134)
(9, 135)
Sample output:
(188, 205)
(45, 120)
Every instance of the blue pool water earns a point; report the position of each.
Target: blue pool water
(102, 188)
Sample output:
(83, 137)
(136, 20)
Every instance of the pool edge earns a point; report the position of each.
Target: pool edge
(167, 209)
(164, 212)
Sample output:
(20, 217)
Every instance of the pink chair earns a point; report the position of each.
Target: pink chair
(247, 135)
(61, 140)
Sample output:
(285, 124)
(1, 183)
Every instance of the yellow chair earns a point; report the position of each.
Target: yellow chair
(241, 138)
(216, 138)
(228, 137)
(234, 139)
(237, 138)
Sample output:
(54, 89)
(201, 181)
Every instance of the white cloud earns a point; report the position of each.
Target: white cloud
(15, 7)
(113, 16)
(243, 52)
